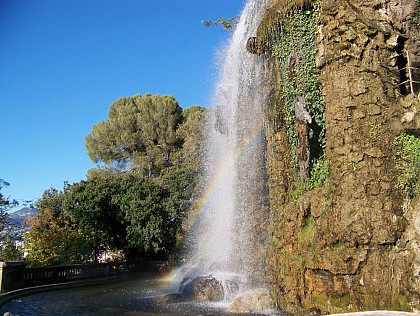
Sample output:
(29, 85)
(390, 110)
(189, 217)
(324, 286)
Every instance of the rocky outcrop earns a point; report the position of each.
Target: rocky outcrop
(253, 302)
(353, 244)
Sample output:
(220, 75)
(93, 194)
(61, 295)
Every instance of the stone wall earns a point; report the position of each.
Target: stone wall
(353, 244)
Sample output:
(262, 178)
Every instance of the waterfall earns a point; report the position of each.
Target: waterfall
(234, 163)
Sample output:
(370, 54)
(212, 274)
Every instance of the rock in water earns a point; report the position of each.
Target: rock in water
(171, 298)
(202, 289)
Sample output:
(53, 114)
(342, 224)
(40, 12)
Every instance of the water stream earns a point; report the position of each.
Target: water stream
(234, 165)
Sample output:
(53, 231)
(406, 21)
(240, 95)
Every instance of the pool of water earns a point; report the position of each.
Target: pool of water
(139, 295)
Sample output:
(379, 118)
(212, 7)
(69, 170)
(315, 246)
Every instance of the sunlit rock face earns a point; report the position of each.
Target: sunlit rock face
(352, 245)
(252, 302)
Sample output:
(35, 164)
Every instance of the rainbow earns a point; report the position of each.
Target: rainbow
(223, 170)
(214, 182)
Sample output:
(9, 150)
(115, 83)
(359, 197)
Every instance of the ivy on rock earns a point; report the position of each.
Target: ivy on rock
(301, 91)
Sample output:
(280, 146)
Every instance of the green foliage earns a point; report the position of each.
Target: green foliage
(150, 152)
(149, 223)
(52, 240)
(131, 212)
(228, 24)
(308, 231)
(307, 235)
(51, 199)
(295, 50)
(93, 206)
(297, 191)
(338, 246)
(148, 134)
(191, 131)
(181, 186)
(140, 133)
(3, 201)
(319, 175)
(156, 208)
(144, 136)
(11, 252)
(400, 302)
(408, 164)
(4, 204)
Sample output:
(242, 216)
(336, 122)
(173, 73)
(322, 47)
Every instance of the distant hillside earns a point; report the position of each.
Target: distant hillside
(21, 215)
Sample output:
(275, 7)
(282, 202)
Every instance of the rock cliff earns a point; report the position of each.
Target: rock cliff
(342, 131)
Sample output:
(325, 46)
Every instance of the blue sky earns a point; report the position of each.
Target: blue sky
(63, 62)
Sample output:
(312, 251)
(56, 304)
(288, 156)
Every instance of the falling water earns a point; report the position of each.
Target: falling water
(234, 159)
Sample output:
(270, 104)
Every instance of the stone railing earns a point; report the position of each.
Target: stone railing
(15, 275)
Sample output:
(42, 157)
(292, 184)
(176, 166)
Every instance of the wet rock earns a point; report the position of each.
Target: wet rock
(171, 298)
(256, 301)
(230, 288)
(252, 45)
(202, 289)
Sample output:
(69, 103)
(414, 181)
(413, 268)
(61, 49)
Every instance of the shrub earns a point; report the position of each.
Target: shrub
(408, 164)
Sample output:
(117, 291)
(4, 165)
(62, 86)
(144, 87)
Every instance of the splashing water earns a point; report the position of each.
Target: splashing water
(221, 244)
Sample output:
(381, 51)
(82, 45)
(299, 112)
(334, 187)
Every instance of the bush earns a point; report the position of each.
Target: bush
(408, 164)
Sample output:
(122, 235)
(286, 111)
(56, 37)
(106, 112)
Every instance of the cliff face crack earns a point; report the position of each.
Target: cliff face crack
(402, 65)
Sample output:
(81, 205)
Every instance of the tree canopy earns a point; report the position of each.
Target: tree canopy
(94, 207)
(191, 131)
(131, 212)
(136, 201)
(140, 133)
(53, 239)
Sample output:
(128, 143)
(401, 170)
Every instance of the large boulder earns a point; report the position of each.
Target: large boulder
(202, 289)
(256, 301)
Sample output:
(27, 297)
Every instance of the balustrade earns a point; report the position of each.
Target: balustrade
(15, 275)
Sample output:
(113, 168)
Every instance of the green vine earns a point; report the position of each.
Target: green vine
(295, 50)
(320, 174)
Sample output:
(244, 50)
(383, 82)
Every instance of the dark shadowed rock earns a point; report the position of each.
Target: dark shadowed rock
(202, 289)
(171, 298)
